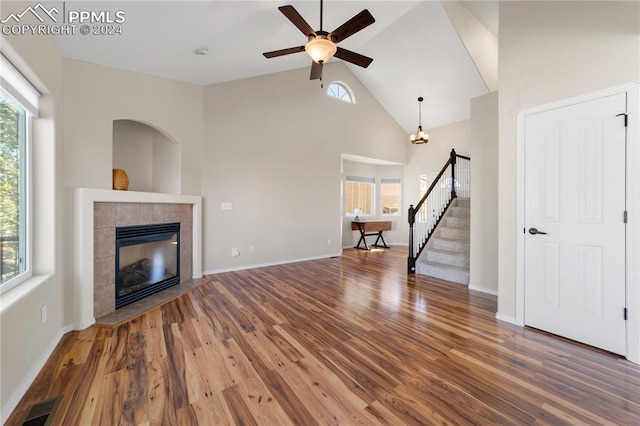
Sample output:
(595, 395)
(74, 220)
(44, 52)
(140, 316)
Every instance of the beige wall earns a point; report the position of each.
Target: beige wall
(484, 189)
(476, 138)
(24, 338)
(95, 96)
(429, 158)
(149, 158)
(133, 152)
(273, 149)
(92, 98)
(551, 51)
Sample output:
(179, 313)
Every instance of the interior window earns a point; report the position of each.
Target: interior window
(358, 194)
(390, 188)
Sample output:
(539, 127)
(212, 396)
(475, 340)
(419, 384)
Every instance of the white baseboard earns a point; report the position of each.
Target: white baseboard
(33, 373)
(483, 290)
(80, 326)
(505, 318)
(262, 265)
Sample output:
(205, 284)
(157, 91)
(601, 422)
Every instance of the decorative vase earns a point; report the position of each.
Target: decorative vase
(120, 180)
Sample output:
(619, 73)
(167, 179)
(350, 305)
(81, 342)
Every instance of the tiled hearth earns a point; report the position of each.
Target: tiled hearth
(108, 216)
(141, 306)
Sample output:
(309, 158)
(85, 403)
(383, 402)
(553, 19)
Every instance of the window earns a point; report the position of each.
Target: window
(12, 187)
(358, 194)
(18, 103)
(390, 188)
(341, 91)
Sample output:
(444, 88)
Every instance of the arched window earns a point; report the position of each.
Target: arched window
(341, 91)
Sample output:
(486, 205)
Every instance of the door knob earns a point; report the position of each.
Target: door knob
(534, 231)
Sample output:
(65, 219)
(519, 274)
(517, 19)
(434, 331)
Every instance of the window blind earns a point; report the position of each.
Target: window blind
(390, 180)
(16, 85)
(363, 179)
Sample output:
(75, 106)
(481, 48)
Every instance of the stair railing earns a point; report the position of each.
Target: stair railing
(450, 183)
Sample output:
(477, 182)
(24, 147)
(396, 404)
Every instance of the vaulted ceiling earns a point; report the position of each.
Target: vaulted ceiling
(443, 51)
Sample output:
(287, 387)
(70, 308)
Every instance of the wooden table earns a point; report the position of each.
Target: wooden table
(368, 228)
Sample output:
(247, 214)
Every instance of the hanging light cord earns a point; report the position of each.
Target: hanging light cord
(321, 83)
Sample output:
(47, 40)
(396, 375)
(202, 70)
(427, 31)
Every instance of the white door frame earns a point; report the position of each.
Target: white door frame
(633, 207)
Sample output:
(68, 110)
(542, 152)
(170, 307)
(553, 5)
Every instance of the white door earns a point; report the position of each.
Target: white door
(575, 193)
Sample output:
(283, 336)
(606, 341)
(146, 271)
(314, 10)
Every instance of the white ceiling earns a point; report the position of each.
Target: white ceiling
(416, 49)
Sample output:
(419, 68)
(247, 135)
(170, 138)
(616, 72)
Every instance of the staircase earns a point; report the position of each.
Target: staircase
(446, 255)
(439, 224)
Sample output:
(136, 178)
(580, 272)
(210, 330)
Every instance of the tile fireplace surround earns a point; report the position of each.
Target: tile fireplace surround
(109, 216)
(97, 213)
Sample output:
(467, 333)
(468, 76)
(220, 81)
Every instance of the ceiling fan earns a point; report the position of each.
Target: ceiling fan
(321, 45)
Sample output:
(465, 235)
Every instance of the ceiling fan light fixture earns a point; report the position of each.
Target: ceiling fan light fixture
(321, 45)
(420, 137)
(320, 49)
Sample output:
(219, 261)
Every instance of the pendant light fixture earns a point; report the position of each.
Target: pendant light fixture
(420, 137)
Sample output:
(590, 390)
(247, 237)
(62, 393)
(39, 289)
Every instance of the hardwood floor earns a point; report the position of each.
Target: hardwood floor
(350, 340)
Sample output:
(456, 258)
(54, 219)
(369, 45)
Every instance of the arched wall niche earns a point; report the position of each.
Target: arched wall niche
(149, 155)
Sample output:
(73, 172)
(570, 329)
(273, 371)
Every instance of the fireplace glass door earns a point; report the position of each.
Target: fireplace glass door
(147, 260)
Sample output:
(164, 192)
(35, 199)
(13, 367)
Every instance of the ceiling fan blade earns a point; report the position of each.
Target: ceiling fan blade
(292, 14)
(316, 71)
(353, 57)
(283, 52)
(352, 26)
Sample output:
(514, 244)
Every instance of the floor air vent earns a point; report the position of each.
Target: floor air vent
(40, 414)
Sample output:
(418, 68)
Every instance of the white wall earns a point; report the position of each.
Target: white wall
(26, 342)
(397, 234)
(483, 246)
(551, 51)
(273, 148)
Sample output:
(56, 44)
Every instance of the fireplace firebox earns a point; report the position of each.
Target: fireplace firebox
(147, 260)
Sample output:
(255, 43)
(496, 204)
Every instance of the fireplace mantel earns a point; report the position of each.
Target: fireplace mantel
(83, 239)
